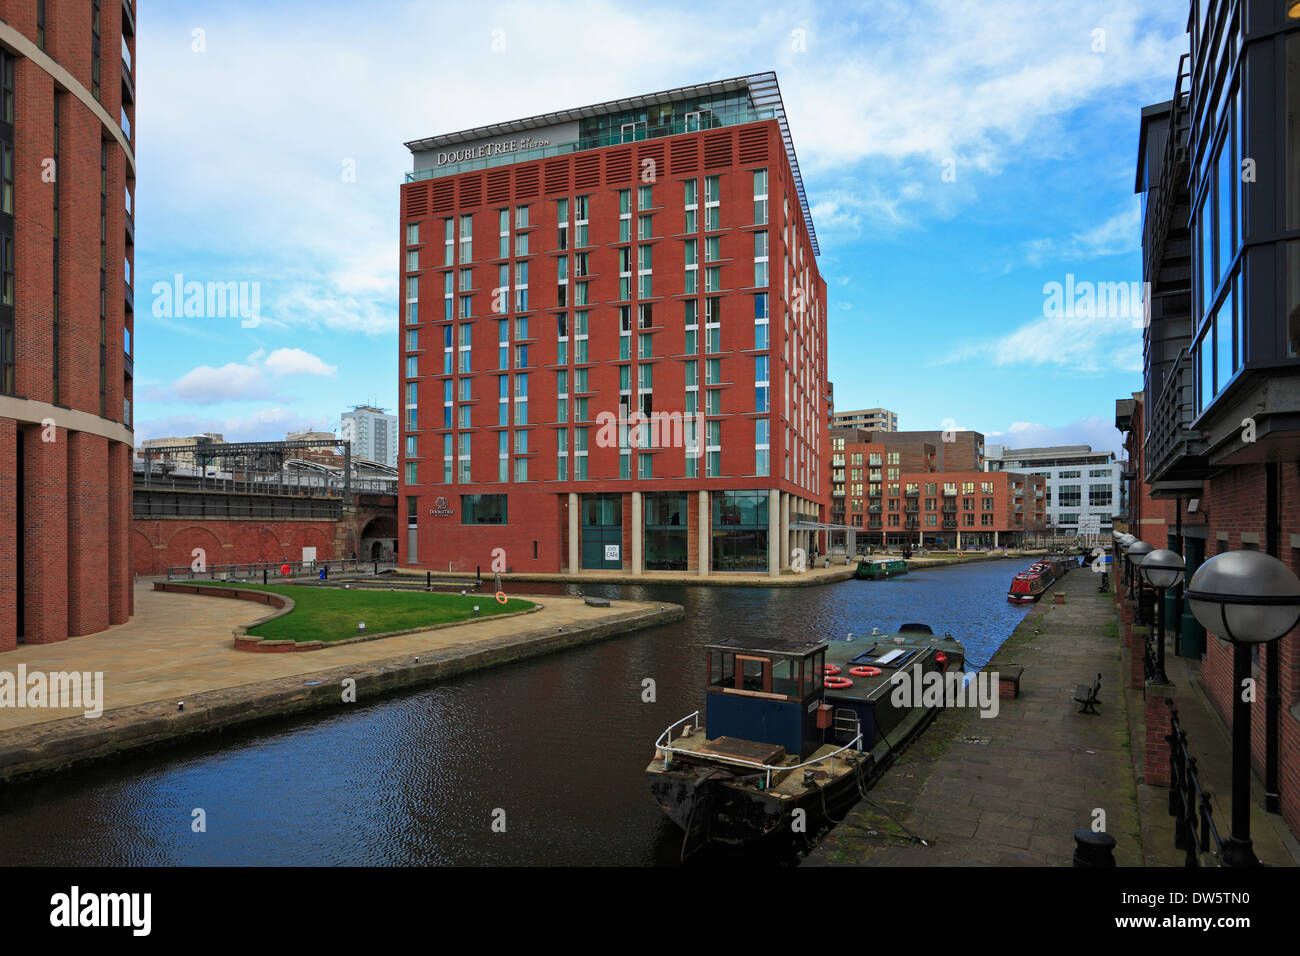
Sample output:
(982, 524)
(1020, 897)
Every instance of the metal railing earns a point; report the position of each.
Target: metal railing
(666, 738)
(1189, 803)
(1169, 431)
(274, 570)
(1172, 183)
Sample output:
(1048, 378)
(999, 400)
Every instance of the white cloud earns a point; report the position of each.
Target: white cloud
(253, 379)
(1119, 233)
(297, 362)
(903, 85)
(1097, 431)
(1092, 340)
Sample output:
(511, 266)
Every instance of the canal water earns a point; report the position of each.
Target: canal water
(554, 749)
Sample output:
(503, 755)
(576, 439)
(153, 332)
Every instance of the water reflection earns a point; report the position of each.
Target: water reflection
(559, 744)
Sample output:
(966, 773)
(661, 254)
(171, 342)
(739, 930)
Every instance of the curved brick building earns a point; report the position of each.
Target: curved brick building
(67, 182)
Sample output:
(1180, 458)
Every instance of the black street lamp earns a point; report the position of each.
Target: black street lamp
(1134, 553)
(1122, 544)
(1162, 569)
(1247, 597)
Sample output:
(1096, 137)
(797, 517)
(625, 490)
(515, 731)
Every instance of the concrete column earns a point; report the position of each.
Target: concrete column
(638, 532)
(958, 539)
(573, 533)
(773, 535)
(785, 530)
(704, 536)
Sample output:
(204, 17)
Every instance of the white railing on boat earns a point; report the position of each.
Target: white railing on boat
(666, 738)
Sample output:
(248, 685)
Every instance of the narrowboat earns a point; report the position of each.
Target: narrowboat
(793, 725)
(1028, 586)
(873, 569)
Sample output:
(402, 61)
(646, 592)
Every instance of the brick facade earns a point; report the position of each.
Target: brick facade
(609, 181)
(65, 425)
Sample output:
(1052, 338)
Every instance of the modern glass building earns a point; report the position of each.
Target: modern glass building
(1219, 416)
(614, 326)
(1081, 483)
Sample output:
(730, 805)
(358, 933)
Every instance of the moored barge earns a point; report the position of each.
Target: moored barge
(793, 726)
(1029, 585)
(873, 569)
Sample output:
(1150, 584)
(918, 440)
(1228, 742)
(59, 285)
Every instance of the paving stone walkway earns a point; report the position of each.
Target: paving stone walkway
(1011, 790)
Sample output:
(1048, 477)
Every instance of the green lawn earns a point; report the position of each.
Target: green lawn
(332, 613)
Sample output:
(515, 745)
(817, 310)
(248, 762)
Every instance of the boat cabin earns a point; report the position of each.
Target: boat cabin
(765, 690)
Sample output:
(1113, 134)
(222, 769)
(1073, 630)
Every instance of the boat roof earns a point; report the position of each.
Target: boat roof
(868, 648)
(766, 645)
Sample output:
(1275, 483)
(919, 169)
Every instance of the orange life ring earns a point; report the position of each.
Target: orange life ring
(838, 683)
(829, 669)
(285, 570)
(865, 671)
(501, 597)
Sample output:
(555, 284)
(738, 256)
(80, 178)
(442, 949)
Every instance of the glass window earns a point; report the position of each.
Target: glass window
(1223, 333)
(483, 509)
(1293, 132)
(1223, 201)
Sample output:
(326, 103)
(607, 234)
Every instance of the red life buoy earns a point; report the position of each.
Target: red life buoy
(829, 669)
(942, 660)
(285, 569)
(838, 683)
(865, 671)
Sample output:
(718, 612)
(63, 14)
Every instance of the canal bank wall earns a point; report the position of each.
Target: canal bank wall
(51, 746)
(814, 576)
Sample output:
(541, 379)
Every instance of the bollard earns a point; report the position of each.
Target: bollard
(478, 573)
(1093, 849)
(376, 569)
(264, 575)
(428, 579)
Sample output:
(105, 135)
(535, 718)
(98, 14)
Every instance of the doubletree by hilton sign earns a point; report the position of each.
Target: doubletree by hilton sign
(440, 509)
(495, 148)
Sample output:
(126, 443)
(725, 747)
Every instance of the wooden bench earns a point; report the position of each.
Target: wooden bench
(1083, 694)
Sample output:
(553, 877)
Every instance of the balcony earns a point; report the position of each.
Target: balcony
(1176, 454)
(949, 525)
(949, 507)
(874, 509)
(913, 492)
(950, 492)
(911, 507)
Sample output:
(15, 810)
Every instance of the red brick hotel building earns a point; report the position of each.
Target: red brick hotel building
(613, 351)
(67, 181)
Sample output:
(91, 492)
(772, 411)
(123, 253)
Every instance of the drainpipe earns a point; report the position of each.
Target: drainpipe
(1273, 660)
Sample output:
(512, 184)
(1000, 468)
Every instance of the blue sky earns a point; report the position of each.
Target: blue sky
(959, 157)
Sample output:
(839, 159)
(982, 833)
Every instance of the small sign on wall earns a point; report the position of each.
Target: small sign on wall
(611, 552)
(308, 556)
